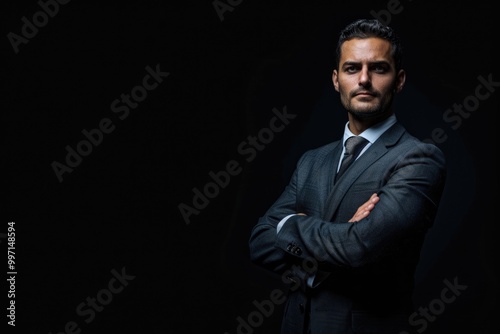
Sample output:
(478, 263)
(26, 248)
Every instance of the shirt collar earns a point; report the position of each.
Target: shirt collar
(373, 133)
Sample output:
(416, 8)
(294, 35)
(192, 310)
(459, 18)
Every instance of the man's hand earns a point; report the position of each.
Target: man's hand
(365, 209)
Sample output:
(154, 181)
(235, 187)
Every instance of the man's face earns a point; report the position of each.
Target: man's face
(366, 78)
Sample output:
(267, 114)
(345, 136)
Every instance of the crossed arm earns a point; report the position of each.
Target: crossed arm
(363, 211)
(408, 192)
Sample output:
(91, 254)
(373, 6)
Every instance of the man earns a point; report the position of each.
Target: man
(348, 245)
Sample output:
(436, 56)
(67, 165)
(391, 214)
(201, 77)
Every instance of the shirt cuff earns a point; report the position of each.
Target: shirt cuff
(282, 222)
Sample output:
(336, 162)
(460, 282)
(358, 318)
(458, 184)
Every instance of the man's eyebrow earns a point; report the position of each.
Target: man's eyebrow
(379, 62)
(347, 63)
(376, 62)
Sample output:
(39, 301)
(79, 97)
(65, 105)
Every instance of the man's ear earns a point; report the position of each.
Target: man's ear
(400, 81)
(335, 80)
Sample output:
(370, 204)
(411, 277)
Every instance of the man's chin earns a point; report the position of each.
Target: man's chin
(366, 114)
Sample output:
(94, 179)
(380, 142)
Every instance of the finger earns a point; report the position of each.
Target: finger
(361, 215)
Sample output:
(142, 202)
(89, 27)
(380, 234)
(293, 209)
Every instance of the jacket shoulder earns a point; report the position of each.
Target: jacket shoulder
(319, 154)
(322, 150)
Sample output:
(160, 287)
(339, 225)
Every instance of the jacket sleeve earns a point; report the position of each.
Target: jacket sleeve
(408, 203)
(263, 250)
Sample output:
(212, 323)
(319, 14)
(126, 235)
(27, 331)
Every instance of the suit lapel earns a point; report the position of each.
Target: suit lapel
(372, 154)
(330, 170)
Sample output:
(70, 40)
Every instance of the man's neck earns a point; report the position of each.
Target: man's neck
(358, 125)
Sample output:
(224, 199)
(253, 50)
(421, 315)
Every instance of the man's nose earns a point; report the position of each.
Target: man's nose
(364, 77)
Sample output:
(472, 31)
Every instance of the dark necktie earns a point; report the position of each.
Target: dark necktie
(353, 146)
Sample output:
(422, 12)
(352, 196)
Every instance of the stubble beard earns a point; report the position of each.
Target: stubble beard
(383, 108)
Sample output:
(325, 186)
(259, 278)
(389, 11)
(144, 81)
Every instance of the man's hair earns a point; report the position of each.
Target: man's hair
(365, 28)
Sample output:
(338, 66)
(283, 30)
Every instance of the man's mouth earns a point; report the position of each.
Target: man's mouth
(364, 94)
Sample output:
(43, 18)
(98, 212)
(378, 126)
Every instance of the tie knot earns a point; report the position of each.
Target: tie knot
(355, 144)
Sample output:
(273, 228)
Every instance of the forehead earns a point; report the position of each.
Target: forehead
(366, 49)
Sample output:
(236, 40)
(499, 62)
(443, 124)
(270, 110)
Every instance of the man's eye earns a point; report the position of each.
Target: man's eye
(379, 69)
(350, 69)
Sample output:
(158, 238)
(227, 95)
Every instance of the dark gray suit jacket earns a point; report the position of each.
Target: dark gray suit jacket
(365, 270)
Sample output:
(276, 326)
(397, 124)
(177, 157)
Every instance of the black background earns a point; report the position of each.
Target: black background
(119, 207)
